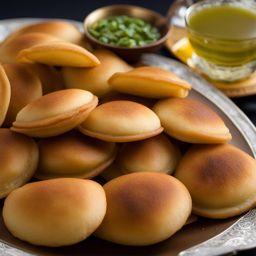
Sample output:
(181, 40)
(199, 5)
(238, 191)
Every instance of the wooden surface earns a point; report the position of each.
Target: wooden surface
(237, 89)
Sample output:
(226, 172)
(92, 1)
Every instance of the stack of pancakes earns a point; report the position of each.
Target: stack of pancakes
(120, 152)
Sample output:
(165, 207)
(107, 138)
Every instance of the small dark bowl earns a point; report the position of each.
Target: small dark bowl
(130, 54)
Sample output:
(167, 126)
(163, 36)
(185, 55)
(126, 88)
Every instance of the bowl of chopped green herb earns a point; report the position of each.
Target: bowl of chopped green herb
(127, 30)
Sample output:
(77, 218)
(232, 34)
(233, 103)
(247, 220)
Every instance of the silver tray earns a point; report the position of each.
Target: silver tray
(233, 234)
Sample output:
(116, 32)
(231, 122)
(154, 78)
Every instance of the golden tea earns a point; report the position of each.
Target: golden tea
(223, 32)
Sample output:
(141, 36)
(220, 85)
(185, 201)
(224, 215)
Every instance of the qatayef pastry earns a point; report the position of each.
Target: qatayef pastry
(191, 121)
(25, 88)
(156, 154)
(95, 79)
(58, 54)
(121, 121)
(55, 212)
(152, 82)
(220, 178)
(144, 208)
(57, 28)
(55, 113)
(73, 155)
(5, 94)
(19, 159)
(10, 49)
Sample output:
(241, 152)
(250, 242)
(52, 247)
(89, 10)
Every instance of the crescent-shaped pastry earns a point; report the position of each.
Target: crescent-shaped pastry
(144, 208)
(220, 178)
(55, 212)
(10, 49)
(57, 28)
(95, 79)
(58, 54)
(191, 121)
(152, 82)
(25, 88)
(19, 159)
(55, 113)
(156, 154)
(121, 121)
(73, 155)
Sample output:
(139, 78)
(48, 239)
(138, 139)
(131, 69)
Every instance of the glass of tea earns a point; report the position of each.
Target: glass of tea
(223, 36)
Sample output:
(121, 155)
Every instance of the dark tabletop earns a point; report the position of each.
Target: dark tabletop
(78, 9)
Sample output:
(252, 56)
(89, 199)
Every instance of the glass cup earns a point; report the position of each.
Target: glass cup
(223, 36)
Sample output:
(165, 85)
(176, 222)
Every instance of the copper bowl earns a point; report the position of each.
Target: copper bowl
(130, 54)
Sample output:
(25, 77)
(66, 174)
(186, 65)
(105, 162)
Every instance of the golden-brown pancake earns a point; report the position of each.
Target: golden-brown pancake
(18, 158)
(55, 212)
(25, 88)
(156, 154)
(220, 178)
(5, 94)
(144, 208)
(191, 121)
(10, 49)
(73, 155)
(57, 28)
(58, 54)
(95, 79)
(121, 121)
(55, 113)
(152, 82)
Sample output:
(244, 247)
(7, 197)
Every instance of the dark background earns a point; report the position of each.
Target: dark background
(78, 9)
(71, 9)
